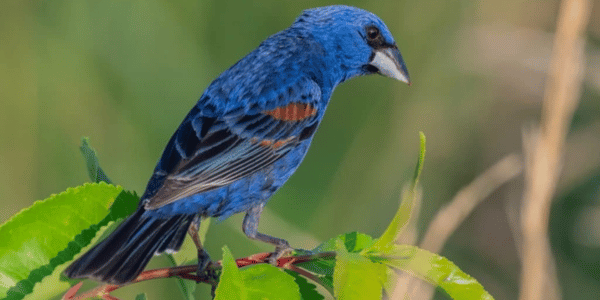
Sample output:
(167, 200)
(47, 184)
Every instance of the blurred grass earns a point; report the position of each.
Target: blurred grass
(125, 73)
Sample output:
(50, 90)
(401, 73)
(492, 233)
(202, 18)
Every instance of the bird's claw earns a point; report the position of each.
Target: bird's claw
(209, 275)
(204, 272)
(281, 250)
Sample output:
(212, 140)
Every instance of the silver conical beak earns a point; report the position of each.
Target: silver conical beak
(388, 62)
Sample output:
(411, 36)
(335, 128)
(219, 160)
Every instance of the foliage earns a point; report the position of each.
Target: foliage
(39, 240)
(43, 238)
(262, 281)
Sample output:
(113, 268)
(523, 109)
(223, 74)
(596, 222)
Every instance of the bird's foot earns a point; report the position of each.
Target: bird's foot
(280, 250)
(205, 272)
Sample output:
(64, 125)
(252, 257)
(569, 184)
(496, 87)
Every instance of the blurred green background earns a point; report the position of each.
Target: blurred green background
(125, 73)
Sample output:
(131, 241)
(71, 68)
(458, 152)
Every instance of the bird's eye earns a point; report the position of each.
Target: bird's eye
(372, 33)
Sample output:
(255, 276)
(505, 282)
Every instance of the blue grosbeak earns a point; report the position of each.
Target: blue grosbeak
(245, 137)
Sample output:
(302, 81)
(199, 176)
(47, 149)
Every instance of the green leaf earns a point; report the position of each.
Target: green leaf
(91, 160)
(262, 281)
(354, 242)
(230, 283)
(125, 204)
(435, 269)
(357, 277)
(404, 211)
(38, 239)
(308, 290)
(323, 268)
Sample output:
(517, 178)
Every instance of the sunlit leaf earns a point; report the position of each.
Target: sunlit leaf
(231, 285)
(323, 268)
(261, 281)
(357, 277)
(354, 242)
(436, 269)
(50, 232)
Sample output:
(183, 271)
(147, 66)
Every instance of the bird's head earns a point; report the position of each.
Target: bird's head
(357, 41)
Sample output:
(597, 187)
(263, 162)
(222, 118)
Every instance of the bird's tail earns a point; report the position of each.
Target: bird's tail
(122, 256)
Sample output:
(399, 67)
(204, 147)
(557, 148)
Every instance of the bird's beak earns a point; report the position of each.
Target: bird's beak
(389, 63)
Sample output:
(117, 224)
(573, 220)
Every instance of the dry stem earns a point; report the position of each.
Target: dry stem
(450, 217)
(544, 148)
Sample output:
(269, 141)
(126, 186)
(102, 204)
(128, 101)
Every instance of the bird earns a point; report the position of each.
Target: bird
(243, 139)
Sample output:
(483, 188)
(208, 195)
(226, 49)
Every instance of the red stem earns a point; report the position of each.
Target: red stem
(184, 272)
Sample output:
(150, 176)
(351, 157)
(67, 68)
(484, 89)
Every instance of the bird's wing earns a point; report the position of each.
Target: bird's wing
(210, 152)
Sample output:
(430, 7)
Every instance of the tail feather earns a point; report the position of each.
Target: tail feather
(177, 240)
(131, 259)
(140, 253)
(123, 255)
(170, 234)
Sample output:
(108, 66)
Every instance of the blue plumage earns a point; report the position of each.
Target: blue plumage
(246, 136)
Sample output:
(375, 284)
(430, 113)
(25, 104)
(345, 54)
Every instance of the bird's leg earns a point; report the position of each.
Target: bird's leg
(203, 258)
(250, 228)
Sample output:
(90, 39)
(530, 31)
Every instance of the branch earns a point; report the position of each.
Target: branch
(185, 272)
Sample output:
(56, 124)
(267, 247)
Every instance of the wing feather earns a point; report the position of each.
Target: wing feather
(208, 152)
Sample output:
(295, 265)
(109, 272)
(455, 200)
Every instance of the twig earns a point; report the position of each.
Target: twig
(544, 157)
(72, 291)
(185, 273)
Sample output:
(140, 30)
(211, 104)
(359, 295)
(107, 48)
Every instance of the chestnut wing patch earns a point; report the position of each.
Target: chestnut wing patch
(292, 112)
(273, 144)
